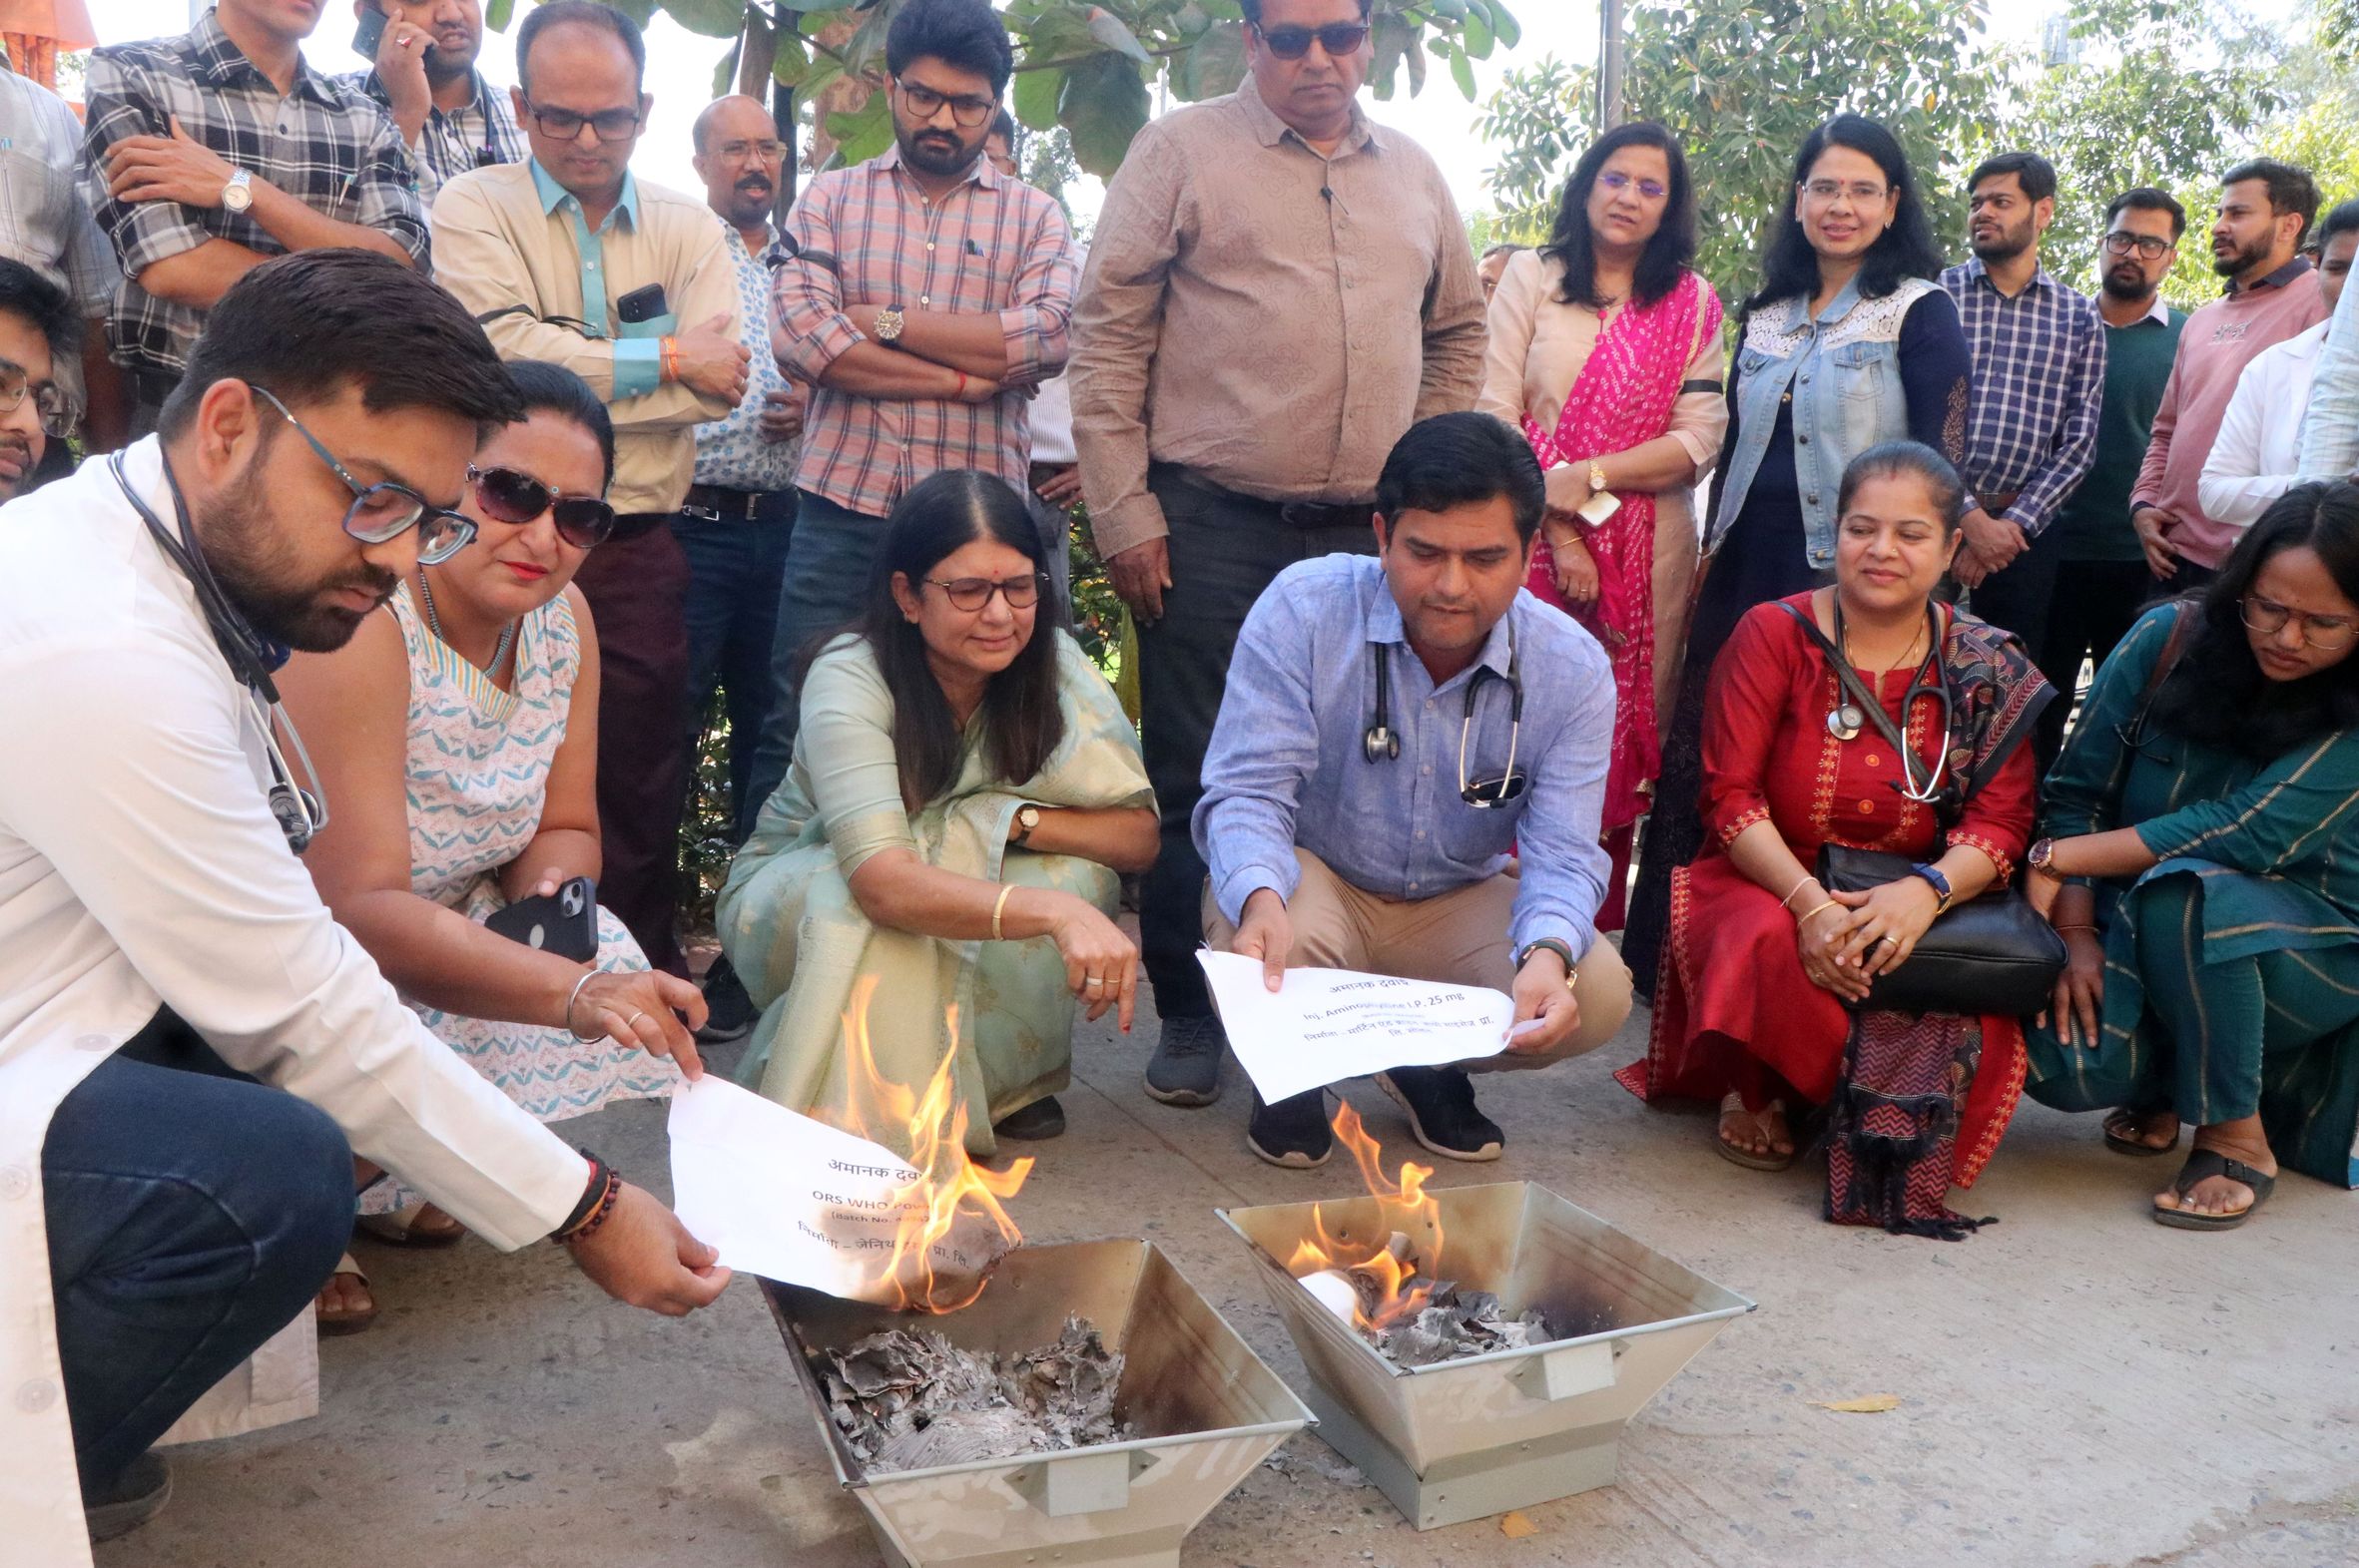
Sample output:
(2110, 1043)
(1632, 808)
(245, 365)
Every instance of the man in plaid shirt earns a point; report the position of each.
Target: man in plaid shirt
(211, 153)
(451, 118)
(2038, 352)
(926, 294)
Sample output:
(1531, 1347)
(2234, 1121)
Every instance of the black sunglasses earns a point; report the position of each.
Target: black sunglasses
(508, 495)
(1292, 43)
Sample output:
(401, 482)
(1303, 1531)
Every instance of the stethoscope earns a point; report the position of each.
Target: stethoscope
(1381, 744)
(1848, 717)
(300, 812)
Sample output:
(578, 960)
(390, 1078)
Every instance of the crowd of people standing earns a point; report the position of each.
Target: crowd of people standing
(1485, 606)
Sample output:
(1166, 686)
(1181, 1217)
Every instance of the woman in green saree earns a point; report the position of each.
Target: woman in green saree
(938, 874)
(2204, 867)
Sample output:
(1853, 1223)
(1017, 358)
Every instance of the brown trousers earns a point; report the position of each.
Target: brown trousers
(1457, 938)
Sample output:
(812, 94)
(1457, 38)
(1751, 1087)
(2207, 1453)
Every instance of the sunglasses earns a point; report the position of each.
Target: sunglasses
(386, 510)
(1292, 43)
(508, 495)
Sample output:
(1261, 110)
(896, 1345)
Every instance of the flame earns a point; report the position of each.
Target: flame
(1400, 1207)
(951, 1191)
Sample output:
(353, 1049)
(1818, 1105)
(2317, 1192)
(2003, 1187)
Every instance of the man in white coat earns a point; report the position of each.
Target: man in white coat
(192, 1051)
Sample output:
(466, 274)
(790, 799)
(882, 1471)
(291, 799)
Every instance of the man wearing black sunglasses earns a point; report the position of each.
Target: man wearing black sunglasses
(1386, 793)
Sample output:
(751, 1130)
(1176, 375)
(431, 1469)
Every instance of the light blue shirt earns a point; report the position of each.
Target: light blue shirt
(1286, 766)
(731, 453)
(638, 345)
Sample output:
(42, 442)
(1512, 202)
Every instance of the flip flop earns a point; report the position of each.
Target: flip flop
(2201, 1165)
(1745, 1156)
(345, 1319)
(2131, 1146)
(401, 1227)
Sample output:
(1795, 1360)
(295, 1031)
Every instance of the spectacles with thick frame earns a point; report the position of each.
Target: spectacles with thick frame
(611, 125)
(925, 103)
(385, 510)
(2268, 617)
(972, 593)
(49, 400)
(2149, 246)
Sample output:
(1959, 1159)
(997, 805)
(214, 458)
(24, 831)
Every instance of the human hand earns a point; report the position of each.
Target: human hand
(1266, 933)
(638, 1009)
(712, 363)
(1576, 568)
(174, 168)
(1141, 575)
(1063, 486)
(642, 1256)
(2039, 891)
(401, 66)
(1991, 543)
(782, 415)
(2154, 525)
(1892, 918)
(1820, 936)
(1543, 991)
(2079, 990)
(976, 388)
(1101, 965)
(1568, 488)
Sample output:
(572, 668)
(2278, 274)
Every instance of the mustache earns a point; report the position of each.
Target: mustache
(755, 182)
(371, 580)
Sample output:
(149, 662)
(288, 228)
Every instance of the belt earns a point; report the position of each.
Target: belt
(1305, 515)
(712, 503)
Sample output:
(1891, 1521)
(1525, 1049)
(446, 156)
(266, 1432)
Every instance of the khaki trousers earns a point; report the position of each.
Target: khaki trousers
(1458, 938)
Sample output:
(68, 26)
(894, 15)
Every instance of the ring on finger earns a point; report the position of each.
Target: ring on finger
(633, 1020)
(1094, 982)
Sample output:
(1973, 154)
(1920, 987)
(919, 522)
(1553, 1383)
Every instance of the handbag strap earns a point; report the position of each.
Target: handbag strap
(1870, 704)
(2182, 632)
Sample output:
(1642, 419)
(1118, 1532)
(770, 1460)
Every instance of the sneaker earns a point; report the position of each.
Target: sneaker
(728, 1011)
(1043, 1119)
(1292, 1133)
(1186, 1068)
(131, 1500)
(1442, 1114)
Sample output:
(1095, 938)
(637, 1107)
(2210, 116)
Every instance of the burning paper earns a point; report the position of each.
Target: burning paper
(1326, 1025)
(910, 1400)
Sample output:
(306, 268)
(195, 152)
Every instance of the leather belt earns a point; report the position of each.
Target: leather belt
(1305, 515)
(1998, 502)
(712, 503)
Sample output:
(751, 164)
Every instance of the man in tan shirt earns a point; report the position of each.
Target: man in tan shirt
(567, 257)
(1275, 291)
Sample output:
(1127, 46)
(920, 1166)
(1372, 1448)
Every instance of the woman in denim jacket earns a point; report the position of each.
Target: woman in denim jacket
(1848, 342)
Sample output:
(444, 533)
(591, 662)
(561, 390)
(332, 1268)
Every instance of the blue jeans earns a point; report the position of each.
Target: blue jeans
(735, 567)
(828, 565)
(191, 1214)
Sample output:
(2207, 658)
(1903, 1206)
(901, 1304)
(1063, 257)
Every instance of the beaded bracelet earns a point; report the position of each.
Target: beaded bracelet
(598, 1201)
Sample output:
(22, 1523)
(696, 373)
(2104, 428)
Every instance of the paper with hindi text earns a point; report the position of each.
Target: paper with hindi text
(1326, 1025)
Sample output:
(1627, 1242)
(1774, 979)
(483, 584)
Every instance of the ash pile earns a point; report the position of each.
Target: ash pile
(910, 1400)
(1449, 1324)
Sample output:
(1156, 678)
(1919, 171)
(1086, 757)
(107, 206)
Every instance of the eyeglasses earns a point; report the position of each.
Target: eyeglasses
(972, 593)
(925, 103)
(1292, 43)
(2268, 617)
(509, 495)
(52, 405)
(769, 152)
(612, 125)
(2147, 245)
(1858, 190)
(1614, 179)
(386, 510)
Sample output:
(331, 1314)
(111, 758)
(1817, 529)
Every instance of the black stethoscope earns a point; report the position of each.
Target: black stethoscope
(300, 812)
(1932, 681)
(1381, 744)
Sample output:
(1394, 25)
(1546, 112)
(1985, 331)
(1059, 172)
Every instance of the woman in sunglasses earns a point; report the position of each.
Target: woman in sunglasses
(1606, 353)
(2203, 865)
(457, 736)
(963, 786)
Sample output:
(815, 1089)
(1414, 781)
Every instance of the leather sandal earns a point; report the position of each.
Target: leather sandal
(1771, 1160)
(2201, 1165)
(339, 1320)
(2122, 1129)
(401, 1228)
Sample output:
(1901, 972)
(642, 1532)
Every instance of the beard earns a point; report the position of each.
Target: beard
(2240, 260)
(750, 203)
(936, 153)
(2005, 246)
(2126, 282)
(445, 67)
(249, 558)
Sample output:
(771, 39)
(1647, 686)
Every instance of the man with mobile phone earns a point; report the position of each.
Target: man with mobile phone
(569, 256)
(423, 74)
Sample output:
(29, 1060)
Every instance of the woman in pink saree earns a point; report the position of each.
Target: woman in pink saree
(1605, 352)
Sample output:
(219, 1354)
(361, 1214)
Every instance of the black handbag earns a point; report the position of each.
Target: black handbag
(1990, 955)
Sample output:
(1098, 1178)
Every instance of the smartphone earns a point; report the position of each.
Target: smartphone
(370, 34)
(564, 922)
(1597, 508)
(641, 305)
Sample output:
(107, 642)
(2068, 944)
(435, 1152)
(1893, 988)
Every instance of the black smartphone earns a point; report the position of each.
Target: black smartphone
(641, 305)
(370, 34)
(564, 922)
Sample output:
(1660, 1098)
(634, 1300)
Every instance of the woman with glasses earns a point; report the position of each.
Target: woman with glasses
(1605, 352)
(1848, 342)
(931, 890)
(1765, 969)
(457, 736)
(2203, 864)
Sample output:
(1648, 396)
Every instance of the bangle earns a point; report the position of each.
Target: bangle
(668, 359)
(1006, 888)
(598, 1199)
(1805, 919)
(1787, 902)
(2082, 927)
(574, 996)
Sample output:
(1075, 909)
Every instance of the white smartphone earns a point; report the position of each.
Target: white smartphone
(1597, 508)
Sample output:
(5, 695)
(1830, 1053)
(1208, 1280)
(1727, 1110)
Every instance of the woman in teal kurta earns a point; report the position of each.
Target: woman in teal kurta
(2203, 864)
(937, 875)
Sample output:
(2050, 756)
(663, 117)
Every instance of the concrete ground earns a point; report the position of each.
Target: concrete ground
(2078, 1385)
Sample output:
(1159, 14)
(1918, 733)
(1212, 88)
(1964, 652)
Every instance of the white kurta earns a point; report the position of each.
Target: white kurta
(140, 866)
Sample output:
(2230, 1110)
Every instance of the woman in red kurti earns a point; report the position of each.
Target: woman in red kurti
(1750, 1007)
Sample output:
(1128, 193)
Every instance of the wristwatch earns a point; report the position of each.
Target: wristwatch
(1596, 477)
(1562, 950)
(1027, 818)
(237, 195)
(1939, 882)
(2042, 853)
(888, 324)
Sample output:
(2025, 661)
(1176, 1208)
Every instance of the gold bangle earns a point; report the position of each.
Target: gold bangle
(1808, 877)
(1805, 919)
(2075, 928)
(996, 910)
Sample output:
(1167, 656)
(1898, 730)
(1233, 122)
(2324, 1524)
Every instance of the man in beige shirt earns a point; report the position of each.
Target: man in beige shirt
(1275, 291)
(567, 257)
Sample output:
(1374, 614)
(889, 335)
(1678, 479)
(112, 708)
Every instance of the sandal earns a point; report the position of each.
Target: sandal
(2122, 1129)
(2201, 1165)
(402, 1227)
(1772, 1161)
(337, 1318)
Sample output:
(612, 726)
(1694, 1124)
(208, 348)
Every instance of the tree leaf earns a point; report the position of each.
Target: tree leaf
(708, 18)
(1037, 94)
(1461, 71)
(1102, 105)
(1504, 23)
(1191, 19)
(724, 74)
(864, 133)
(1477, 35)
(1214, 65)
(497, 14)
(1110, 30)
(792, 63)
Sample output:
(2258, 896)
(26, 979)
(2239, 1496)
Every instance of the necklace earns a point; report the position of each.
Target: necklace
(507, 633)
(1848, 718)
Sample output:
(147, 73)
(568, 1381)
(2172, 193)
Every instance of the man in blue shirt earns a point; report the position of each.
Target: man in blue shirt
(1378, 755)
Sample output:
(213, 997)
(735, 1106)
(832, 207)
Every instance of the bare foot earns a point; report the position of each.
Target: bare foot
(2157, 1130)
(1762, 1134)
(2220, 1196)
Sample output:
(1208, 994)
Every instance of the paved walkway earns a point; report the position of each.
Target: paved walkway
(2078, 1385)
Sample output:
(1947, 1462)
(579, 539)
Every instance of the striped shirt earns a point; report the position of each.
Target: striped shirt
(2038, 387)
(44, 223)
(478, 133)
(869, 234)
(323, 144)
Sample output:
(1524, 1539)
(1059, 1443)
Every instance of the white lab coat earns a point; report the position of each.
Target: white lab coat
(2257, 455)
(140, 866)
